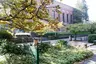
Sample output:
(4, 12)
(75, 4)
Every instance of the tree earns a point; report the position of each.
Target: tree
(82, 6)
(74, 29)
(91, 28)
(77, 16)
(28, 15)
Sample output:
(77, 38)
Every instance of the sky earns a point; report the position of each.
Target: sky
(91, 7)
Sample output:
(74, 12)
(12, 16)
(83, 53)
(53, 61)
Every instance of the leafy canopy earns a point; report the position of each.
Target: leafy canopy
(28, 15)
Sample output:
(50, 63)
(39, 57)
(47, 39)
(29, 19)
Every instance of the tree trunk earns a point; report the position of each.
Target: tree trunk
(75, 37)
(40, 39)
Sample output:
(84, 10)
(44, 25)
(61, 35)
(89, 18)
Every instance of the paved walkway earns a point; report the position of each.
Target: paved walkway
(93, 59)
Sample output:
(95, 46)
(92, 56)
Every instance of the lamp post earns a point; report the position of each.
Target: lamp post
(37, 50)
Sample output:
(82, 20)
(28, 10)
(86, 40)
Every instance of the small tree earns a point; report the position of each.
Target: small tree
(91, 28)
(75, 29)
(29, 15)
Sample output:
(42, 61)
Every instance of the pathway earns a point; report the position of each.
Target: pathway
(93, 59)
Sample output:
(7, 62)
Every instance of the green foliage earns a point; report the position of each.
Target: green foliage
(16, 54)
(60, 44)
(52, 35)
(91, 38)
(76, 28)
(91, 28)
(28, 15)
(43, 47)
(12, 48)
(77, 16)
(2, 62)
(20, 59)
(5, 35)
(67, 55)
(81, 28)
(83, 8)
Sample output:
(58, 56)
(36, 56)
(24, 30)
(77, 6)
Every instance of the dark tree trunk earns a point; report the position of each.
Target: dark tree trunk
(75, 38)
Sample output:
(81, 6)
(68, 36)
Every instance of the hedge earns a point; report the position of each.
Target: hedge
(5, 35)
(91, 38)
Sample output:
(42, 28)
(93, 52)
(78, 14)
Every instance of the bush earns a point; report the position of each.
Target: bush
(5, 35)
(17, 54)
(66, 55)
(3, 62)
(12, 48)
(91, 38)
(52, 35)
(60, 44)
(43, 47)
(20, 59)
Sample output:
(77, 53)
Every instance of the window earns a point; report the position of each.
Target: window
(63, 16)
(67, 18)
(71, 18)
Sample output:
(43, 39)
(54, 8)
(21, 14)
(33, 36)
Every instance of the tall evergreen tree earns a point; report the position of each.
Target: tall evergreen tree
(82, 6)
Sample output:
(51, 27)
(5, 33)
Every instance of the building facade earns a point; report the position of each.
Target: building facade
(66, 15)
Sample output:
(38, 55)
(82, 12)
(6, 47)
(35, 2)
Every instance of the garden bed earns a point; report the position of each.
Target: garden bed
(64, 55)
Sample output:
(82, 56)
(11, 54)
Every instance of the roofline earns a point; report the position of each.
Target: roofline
(63, 4)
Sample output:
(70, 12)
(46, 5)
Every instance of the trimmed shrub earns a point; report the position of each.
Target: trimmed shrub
(5, 35)
(51, 35)
(56, 35)
(91, 38)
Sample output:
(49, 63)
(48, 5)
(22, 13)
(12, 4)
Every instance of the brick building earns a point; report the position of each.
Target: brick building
(66, 15)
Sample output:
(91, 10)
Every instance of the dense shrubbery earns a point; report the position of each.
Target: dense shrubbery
(5, 35)
(65, 55)
(75, 28)
(60, 44)
(91, 38)
(16, 54)
(43, 47)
